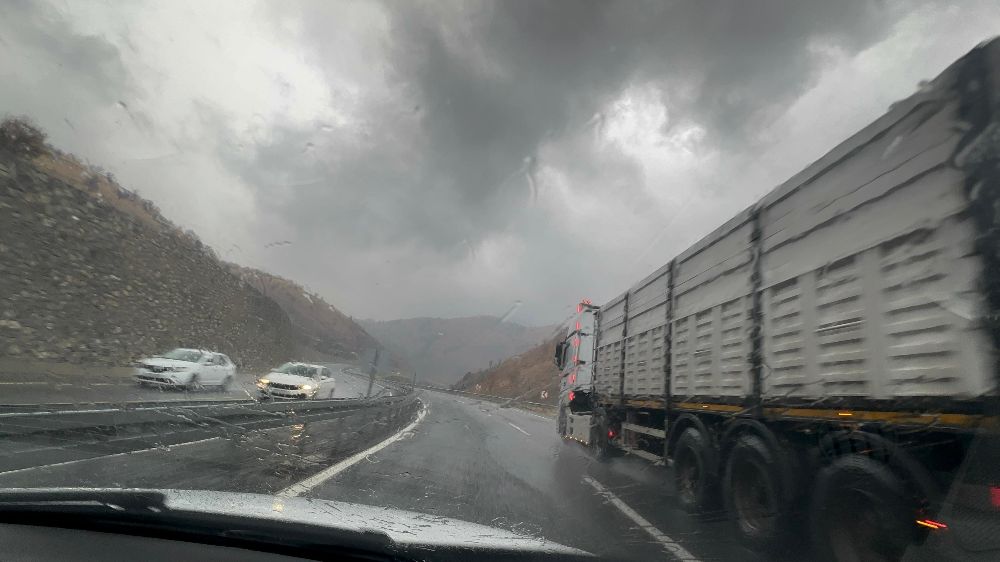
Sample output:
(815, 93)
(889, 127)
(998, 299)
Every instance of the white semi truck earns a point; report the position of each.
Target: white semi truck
(826, 360)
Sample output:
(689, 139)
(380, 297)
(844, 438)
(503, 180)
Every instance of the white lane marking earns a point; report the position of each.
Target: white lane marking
(322, 476)
(546, 418)
(670, 545)
(78, 461)
(519, 429)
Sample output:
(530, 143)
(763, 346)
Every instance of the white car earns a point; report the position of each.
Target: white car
(192, 369)
(297, 380)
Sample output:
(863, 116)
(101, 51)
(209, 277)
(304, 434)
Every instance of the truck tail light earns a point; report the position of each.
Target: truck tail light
(931, 524)
(572, 395)
(995, 496)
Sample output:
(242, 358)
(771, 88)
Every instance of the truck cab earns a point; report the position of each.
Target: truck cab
(574, 356)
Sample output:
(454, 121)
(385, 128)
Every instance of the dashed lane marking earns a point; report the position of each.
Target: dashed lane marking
(670, 545)
(519, 429)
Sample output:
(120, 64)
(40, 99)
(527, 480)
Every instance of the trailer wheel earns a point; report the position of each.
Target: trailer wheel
(752, 491)
(692, 472)
(860, 511)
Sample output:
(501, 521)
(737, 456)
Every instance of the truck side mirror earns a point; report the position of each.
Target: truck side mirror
(560, 349)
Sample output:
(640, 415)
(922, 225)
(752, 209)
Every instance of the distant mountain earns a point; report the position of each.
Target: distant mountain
(442, 350)
(523, 376)
(322, 331)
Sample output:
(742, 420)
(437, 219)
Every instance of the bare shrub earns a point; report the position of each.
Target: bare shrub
(20, 135)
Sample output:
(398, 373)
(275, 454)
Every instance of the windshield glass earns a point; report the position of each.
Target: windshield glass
(677, 279)
(293, 369)
(189, 355)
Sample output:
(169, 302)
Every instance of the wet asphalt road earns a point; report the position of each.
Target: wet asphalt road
(505, 467)
(41, 390)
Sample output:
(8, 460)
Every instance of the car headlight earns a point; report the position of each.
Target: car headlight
(306, 386)
(262, 382)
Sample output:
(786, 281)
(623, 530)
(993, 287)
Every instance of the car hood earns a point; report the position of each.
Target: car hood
(285, 378)
(163, 362)
(405, 529)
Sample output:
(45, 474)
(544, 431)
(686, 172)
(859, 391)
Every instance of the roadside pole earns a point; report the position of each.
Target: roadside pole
(371, 374)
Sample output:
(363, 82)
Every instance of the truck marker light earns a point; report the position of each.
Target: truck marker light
(572, 395)
(577, 325)
(576, 342)
(845, 413)
(572, 378)
(931, 524)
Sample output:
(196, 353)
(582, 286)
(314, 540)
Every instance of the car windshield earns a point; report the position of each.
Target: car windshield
(678, 279)
(189, 355)
(295, 369)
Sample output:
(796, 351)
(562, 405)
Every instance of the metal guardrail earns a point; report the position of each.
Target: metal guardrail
(489, 397)
(188, 412)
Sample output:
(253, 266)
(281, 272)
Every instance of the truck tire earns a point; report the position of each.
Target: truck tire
(860, 512)
(693, 477)
(599, 436)
(752, 490)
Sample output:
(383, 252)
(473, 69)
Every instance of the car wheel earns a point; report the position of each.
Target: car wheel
(194, 384)
(226, 383)
(331, 393)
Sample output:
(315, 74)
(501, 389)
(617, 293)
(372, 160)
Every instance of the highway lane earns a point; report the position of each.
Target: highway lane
(507, 468)
(63, 389)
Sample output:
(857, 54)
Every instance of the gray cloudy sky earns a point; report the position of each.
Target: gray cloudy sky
(452, 158)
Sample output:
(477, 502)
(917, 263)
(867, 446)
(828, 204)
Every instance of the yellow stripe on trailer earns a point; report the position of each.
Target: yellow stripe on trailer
(703, 407)
(943, 419)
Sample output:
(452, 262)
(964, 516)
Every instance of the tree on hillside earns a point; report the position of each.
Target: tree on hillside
(20, 135)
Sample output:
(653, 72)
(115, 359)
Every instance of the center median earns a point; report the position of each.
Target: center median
(247, 447)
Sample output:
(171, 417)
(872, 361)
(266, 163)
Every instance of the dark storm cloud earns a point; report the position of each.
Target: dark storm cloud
(477, 89)
(42, 44)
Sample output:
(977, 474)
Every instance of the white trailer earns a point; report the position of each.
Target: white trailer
(829, 354)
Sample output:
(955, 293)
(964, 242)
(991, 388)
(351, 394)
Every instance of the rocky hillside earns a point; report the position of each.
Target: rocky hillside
(441, 350)
(523, 376)
(321, 331)
(82, 280)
